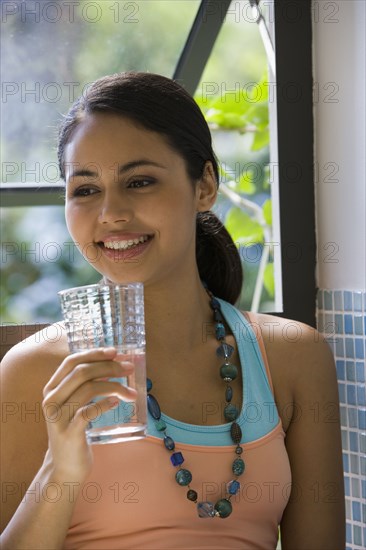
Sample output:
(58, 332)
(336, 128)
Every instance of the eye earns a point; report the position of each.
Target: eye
(84, 191)
(140, 182)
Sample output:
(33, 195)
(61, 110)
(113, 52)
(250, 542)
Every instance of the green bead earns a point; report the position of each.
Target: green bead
(160, 425)
(228, 372)
(231, 412)
(238, 466)
(183, 477)
(223, 507)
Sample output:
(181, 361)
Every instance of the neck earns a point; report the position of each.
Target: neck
(176, 315)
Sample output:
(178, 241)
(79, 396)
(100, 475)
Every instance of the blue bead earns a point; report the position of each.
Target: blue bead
(224, 350)
(224, 507)
(183, 477)
(169, 443)
(160, 425)
(149, 384)
(231, 413)
(220, 331)
(228, 394)
(238, 466)
(233, 487)
(177, 459)
(153, 407)
(215, 304)
(205, 510)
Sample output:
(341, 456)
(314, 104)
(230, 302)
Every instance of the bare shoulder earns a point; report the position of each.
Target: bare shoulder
(37, 356)
(300, 361)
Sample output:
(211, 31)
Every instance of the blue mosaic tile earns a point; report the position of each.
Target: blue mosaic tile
(364, 513)
(361, 395)
(348, 324)
(358, 324)
(364, 320)
(357, 301)
(348, 532)
(353, 441)
(347, 490)
(345, 462)
(338, 300)
(356, 511)
(342, 392)
(355, 486)
(359, 348)
(340, 370)
(363, 465)
(340, 347)
(338, 320)
(350, 348)
(360, 370)
(355, 470)
(351, 394)
(347, 298)
(363, 488)
(357, 535)
(352, 417)
(362, 438)
(344, 416)
(350, 371)
(344, 435)
(362, 419)
(328, 300)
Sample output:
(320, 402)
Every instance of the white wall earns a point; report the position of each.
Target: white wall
(339, 51)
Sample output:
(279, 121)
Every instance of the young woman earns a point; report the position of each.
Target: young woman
(254, 416)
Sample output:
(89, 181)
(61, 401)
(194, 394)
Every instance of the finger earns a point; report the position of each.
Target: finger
(72, 360)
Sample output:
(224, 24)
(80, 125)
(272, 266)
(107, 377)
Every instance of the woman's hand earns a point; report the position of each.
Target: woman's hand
(67, 409)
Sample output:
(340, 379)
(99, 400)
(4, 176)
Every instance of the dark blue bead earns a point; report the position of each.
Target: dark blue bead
(218, 316)
(233, 487)
(215, 304)
(169, 443)
(236, 433)
(177, 459)
(153, 407)
(149, 384)
(220, 331)
(228, 394)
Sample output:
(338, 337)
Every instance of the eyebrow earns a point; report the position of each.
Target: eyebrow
(123, 168)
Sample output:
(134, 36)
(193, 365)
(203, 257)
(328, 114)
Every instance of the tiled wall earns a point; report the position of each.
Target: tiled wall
(342, 317)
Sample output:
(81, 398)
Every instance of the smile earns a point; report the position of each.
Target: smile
(125, 245)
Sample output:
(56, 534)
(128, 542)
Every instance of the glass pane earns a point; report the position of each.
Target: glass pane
(51, 50)
(234, 95)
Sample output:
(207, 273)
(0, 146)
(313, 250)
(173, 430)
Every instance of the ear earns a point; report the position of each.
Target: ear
(206, 190)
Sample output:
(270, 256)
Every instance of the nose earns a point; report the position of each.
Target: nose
(115, 209)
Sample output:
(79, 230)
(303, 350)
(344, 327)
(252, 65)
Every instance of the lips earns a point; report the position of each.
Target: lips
(125, 247)
(125, 244)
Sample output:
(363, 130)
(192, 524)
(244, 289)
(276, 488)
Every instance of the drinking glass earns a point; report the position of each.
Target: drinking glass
(105, 315)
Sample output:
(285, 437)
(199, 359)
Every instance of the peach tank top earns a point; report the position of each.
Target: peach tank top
(132, 501)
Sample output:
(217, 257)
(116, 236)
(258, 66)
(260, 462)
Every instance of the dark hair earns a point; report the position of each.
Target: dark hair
(159, 104)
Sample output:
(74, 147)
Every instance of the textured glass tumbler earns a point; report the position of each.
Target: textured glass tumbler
(105, 315)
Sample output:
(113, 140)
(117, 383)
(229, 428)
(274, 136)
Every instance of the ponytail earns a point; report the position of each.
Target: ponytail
(218, 259)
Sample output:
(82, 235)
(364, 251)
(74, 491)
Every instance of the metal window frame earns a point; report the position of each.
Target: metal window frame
(295, 143)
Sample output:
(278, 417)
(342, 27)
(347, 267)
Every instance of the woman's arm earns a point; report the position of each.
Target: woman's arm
(314, 518)
(44, 449)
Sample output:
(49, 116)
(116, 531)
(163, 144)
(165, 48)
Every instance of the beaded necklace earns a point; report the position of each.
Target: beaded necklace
(228, 372)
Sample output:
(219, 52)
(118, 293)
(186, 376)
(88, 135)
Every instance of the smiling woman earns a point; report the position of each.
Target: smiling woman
(141, 178)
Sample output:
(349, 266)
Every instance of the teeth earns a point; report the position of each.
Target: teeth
(124, 245)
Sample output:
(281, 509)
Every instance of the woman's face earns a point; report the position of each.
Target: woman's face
(130, 205)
